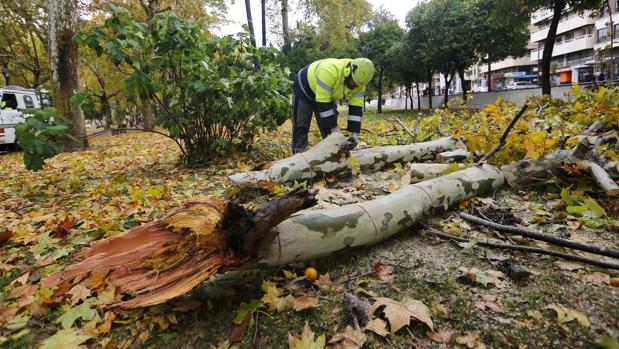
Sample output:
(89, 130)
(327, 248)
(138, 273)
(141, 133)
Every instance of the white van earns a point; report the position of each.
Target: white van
(13, 100)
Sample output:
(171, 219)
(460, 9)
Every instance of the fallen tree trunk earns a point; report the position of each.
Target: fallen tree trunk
(330, 156)
(316, 233)
(423, 172)
(170, 256)
(525, 173)
(457, 155)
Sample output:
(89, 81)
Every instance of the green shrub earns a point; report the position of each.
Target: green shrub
(213, 94)
(41, 136)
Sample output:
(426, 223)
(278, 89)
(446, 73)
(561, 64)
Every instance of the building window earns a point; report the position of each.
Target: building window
(569, 36)
(558, 39)
(615, 35)
(602, 34)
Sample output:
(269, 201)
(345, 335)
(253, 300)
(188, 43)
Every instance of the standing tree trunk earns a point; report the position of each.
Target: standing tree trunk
(447, 85)
(489, 82)
(147, 114)
(64, 63)
(430, 93)
(462, 82)
(611, 73)
(406, 91)
(250, 23)
(418, 98)
(5, 66)
(285, 29)
(380, 90)
(264, 22)
(549, 45)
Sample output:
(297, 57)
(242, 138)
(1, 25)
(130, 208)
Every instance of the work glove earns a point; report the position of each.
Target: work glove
(353, 140)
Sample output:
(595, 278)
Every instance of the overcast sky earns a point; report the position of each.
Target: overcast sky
(236, 13)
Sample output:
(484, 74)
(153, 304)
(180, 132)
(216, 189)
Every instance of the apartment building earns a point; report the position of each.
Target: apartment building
(576, 57)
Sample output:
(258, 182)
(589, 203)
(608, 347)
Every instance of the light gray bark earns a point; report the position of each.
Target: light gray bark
(312, 234)
(329, 157)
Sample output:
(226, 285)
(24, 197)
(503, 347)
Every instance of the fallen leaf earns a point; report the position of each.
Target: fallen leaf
(272, 297)
(5, 235)
(595, 278)
(246, 309)
(469, 339)
(570, 266)
(439, 308)
(565, 314)
(442, 335)
(378, 326)
(383, 272)
(65, 339)
(349, 339)
(106, 326)
(78, 293)
(18, 322)
(307, 340)
(22, 279)
(487, 301)
(399, 314)
(82, 311)
(324, 282)
(302, 302)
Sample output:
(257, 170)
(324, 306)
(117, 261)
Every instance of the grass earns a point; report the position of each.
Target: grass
(118, 167)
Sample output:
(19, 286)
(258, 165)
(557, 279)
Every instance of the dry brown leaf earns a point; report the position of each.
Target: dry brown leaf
(383, 272)
(302, 302)
(107, 322)
(535, 314)
(439, 308)
(442, 335)
(487, 301)
(570, 266)
(399, 314)
(324, 282)
(595, 278)
(378, 326)
(349, 339)
(22, 279)
(469, 339)
(78, 293)
(5, 235)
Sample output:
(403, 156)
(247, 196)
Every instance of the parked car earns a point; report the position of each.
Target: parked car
(13, 101)
(518, 85)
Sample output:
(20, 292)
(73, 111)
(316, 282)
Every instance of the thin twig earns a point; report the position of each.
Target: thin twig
(405, 128)
(601, 250)
(529, 249)
(504, 136)
(253, 341)
(417, 123)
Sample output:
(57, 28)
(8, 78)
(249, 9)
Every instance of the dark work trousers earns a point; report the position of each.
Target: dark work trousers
(301, 120)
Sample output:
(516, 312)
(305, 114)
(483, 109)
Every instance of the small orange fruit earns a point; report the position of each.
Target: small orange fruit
(614, 281)
(311, 274)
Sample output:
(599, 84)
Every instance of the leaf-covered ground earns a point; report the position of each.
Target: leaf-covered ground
(125, 180)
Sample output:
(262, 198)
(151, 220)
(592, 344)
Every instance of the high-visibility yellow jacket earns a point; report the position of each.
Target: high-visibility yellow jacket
(322, 83)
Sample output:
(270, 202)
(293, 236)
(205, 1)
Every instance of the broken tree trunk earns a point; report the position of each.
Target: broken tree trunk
(423, 172)
(527, 172)
(170, 256)
(330, 156)
(313, 234)
(457, 155)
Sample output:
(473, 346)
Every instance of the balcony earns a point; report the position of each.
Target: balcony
(578, 44)
(573, 21)
(507, 63)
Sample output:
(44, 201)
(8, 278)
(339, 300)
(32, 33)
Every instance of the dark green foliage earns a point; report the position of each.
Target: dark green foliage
(213, 94)
(41, 136)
